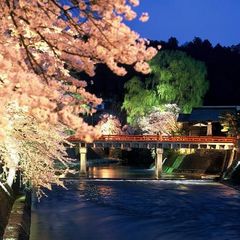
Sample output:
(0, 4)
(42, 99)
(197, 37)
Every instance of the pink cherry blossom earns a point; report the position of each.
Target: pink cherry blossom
(41, 42)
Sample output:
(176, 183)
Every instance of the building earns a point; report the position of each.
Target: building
(206, 121)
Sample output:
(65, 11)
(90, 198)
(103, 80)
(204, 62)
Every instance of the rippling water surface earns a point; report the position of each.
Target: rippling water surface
(138, 209)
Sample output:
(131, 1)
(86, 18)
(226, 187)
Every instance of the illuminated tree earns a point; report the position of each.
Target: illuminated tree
(41, 41)
(160, 121)
(138, 100)
(109, 125)
(175, 79)
(33, 148)
(178, 78)
(230, 123)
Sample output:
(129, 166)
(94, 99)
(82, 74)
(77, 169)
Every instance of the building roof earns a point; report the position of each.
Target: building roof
(207, 113)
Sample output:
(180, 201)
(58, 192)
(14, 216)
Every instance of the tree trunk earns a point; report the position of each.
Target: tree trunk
(12, 148)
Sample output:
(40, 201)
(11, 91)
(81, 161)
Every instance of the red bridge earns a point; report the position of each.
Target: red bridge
(154, 141)
(158, 141)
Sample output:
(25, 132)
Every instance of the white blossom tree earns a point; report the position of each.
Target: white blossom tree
(160, 121)
(33, 148)
(109, 125)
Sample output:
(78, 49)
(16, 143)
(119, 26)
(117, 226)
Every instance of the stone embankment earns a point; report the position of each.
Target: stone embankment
(15, 212)
(18, 227)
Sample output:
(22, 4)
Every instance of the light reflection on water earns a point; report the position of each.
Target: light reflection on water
(138, 209)
(120, 172)
(127, 172)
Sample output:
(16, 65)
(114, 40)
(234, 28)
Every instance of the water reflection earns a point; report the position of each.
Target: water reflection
(120, 172)
(114, 171)
(103, 172)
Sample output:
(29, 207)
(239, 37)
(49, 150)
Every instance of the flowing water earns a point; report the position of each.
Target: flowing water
(105, 209)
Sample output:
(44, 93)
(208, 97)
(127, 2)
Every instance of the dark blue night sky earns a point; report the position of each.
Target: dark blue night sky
(215, 20)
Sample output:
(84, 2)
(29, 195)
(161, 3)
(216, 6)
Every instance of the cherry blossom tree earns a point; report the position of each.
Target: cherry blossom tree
(109, 125)
(160, 121)
(32, 147)
(40, 42)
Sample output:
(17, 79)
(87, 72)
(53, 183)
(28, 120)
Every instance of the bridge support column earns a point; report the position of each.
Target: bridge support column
(231, 158)
(158, 162)
(209, 129)
(83, 159)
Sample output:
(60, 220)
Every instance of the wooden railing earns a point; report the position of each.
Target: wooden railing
(159, 138)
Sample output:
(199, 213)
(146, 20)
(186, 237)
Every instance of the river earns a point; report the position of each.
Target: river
(107, 209)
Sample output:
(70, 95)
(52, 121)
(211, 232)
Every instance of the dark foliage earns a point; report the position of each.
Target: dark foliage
(223, 72)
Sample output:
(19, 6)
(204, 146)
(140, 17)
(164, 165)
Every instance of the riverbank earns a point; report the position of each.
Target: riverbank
(15, 210)
(19, 222)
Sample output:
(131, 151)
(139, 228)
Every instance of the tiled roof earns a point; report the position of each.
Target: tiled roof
(204, 114)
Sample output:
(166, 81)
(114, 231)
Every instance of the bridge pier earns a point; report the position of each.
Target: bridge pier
(83, 159)
(158, 162)
(231, 158)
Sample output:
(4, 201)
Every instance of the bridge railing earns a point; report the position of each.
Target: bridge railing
(159, 138)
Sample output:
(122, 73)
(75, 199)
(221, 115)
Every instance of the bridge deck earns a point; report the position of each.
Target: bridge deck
(157, 141)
